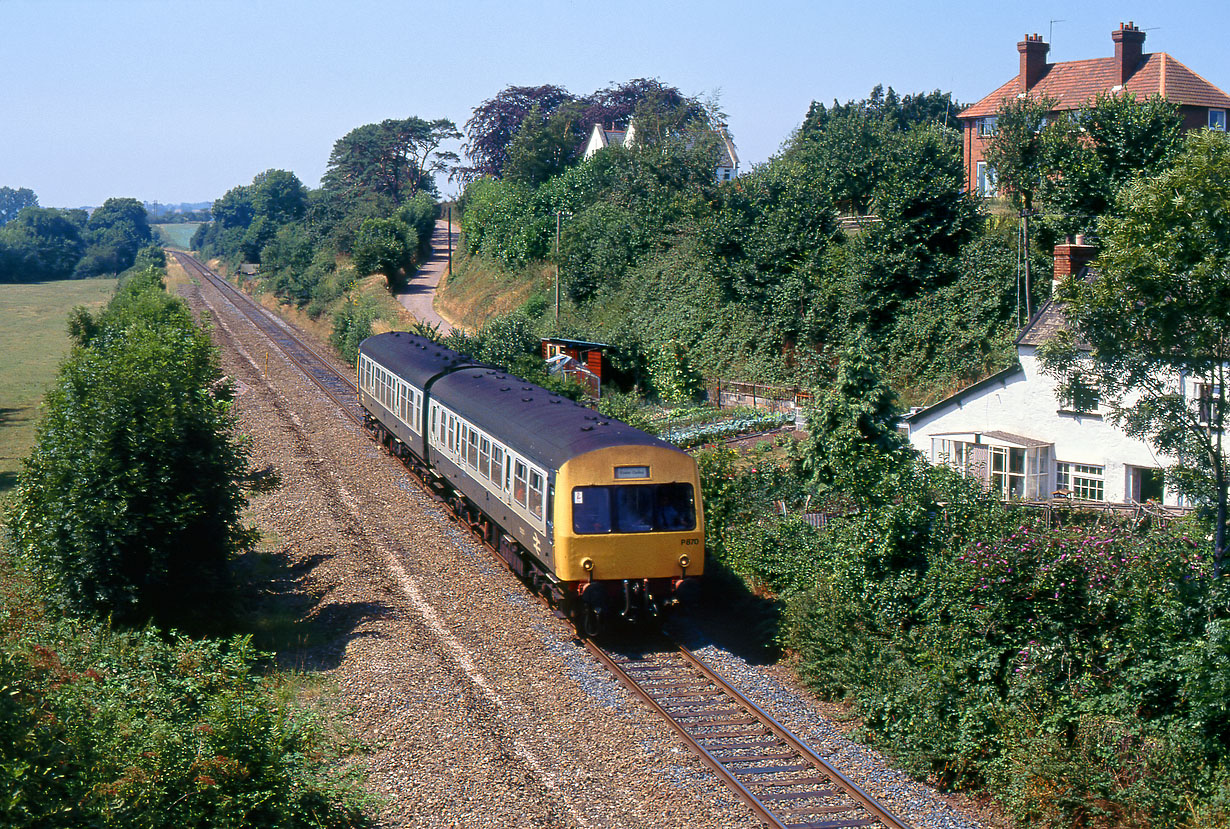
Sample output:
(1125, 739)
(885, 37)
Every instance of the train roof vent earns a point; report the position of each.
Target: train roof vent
(527, 400)
(587, 428)
(556, 400)
(505, 388)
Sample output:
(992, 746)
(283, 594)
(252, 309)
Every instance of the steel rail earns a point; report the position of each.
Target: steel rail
(858, 809)
(339, 388)
(815, 795)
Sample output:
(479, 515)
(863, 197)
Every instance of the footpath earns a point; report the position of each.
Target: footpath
(420, 293)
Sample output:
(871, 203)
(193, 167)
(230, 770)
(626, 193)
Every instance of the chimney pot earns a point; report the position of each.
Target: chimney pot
(1033, 51)
(1129, 49)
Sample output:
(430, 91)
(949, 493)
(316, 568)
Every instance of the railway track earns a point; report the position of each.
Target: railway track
(784, 782)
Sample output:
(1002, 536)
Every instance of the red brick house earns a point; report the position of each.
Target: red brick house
(1076, 82)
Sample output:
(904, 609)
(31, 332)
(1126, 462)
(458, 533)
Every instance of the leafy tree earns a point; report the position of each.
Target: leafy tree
(278, 196)
(544, 146)
(13, 202)
(1158, 312)
(43, 243)
(494, 123)
(659, 109)
(901, 113)
(129, 506)
(853, 448)
(385, 246)
(1093, 152)
(395, 158)
(114, 233)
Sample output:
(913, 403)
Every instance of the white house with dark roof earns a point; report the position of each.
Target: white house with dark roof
(1014, 432)
(599, 138)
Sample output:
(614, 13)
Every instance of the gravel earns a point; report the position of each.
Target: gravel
(476, 705)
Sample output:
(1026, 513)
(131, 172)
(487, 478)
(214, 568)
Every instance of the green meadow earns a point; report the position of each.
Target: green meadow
(176, 235)
(33, 341)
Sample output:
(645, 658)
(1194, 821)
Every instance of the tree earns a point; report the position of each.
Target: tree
(129, 506)
(1091, 153)
(395, 158)
(853, 448)
(114, 233)
(1017, 154)
(13, 202)
(1159, 312)
(494, 123)
(543, 147)
(43, 243)
(385, 246)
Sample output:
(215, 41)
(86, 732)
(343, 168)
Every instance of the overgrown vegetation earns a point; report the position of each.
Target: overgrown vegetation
(38, 244)
(1075, 668)
(123, 527)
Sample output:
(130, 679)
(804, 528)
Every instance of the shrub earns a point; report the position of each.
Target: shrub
(129, 505)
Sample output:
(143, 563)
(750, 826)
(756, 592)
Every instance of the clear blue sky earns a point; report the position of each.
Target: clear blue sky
(179, 101)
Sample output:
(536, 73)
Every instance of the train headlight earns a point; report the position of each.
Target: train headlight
(587, 564)
(684, 561)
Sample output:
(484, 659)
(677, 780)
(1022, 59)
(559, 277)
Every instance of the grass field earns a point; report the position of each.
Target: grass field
(33, 340)
(176, 235)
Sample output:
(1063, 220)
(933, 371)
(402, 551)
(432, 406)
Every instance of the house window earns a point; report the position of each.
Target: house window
(1082, 480)
(986, 126)
(1081, 399)
(1008, 471)
(986, 180)
(1217, 119)
(1209, 401)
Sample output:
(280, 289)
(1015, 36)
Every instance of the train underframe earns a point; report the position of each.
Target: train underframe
(593, 606)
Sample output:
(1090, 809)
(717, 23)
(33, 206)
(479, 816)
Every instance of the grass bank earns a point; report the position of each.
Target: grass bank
(480, 289)
(34, 339)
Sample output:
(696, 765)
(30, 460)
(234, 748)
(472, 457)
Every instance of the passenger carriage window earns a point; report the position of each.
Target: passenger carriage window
(633, 508)
(473, 454)
(484, 458)
(519, 483)
(497, 465)
(535, 494)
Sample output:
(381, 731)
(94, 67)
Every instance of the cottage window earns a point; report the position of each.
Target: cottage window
(1082, 480)
(1008, 471)
(1217, 119)
(987, 126)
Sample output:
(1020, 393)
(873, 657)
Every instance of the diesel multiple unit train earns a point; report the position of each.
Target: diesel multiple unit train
(603, 519)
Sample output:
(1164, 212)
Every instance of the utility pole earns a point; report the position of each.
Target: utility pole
(1029, 308)
(450, 241)
(558, 219)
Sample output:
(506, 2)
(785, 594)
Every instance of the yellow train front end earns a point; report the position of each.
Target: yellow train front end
(629, 530)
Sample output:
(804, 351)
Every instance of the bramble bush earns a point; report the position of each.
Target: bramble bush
(1079, 673)
(111, 729)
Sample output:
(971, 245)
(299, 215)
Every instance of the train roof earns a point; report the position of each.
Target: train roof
(413, 358)
(544, 426)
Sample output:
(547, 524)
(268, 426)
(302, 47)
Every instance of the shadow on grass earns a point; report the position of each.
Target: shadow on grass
(288, 619)
(8, 480)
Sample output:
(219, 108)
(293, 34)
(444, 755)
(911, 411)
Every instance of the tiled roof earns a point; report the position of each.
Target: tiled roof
(1073, 83)
(1048, 322)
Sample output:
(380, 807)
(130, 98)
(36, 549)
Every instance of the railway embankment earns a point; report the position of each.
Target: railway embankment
(476, 706)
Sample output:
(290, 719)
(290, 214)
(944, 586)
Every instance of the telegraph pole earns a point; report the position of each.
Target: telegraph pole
(558, 217)
(450, 241)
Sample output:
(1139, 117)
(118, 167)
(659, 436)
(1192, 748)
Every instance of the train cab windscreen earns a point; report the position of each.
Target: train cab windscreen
(633, 508)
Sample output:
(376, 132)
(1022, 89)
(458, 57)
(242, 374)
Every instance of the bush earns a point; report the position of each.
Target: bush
(352, 324)
(101, 729)
(130, 504)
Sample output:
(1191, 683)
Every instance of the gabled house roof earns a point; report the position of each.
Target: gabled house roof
(1076, 82)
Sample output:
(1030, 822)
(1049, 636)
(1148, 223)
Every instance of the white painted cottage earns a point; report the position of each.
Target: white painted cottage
(600, 137)
(1013, 432)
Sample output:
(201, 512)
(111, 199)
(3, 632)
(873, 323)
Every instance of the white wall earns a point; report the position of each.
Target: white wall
(1025, 404)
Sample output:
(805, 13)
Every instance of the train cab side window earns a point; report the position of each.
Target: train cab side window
(519, 483)
(535, 494)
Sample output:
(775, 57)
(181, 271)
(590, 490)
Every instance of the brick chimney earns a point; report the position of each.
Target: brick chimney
(1033, 60)
(1129, 48)
(1070, 257)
